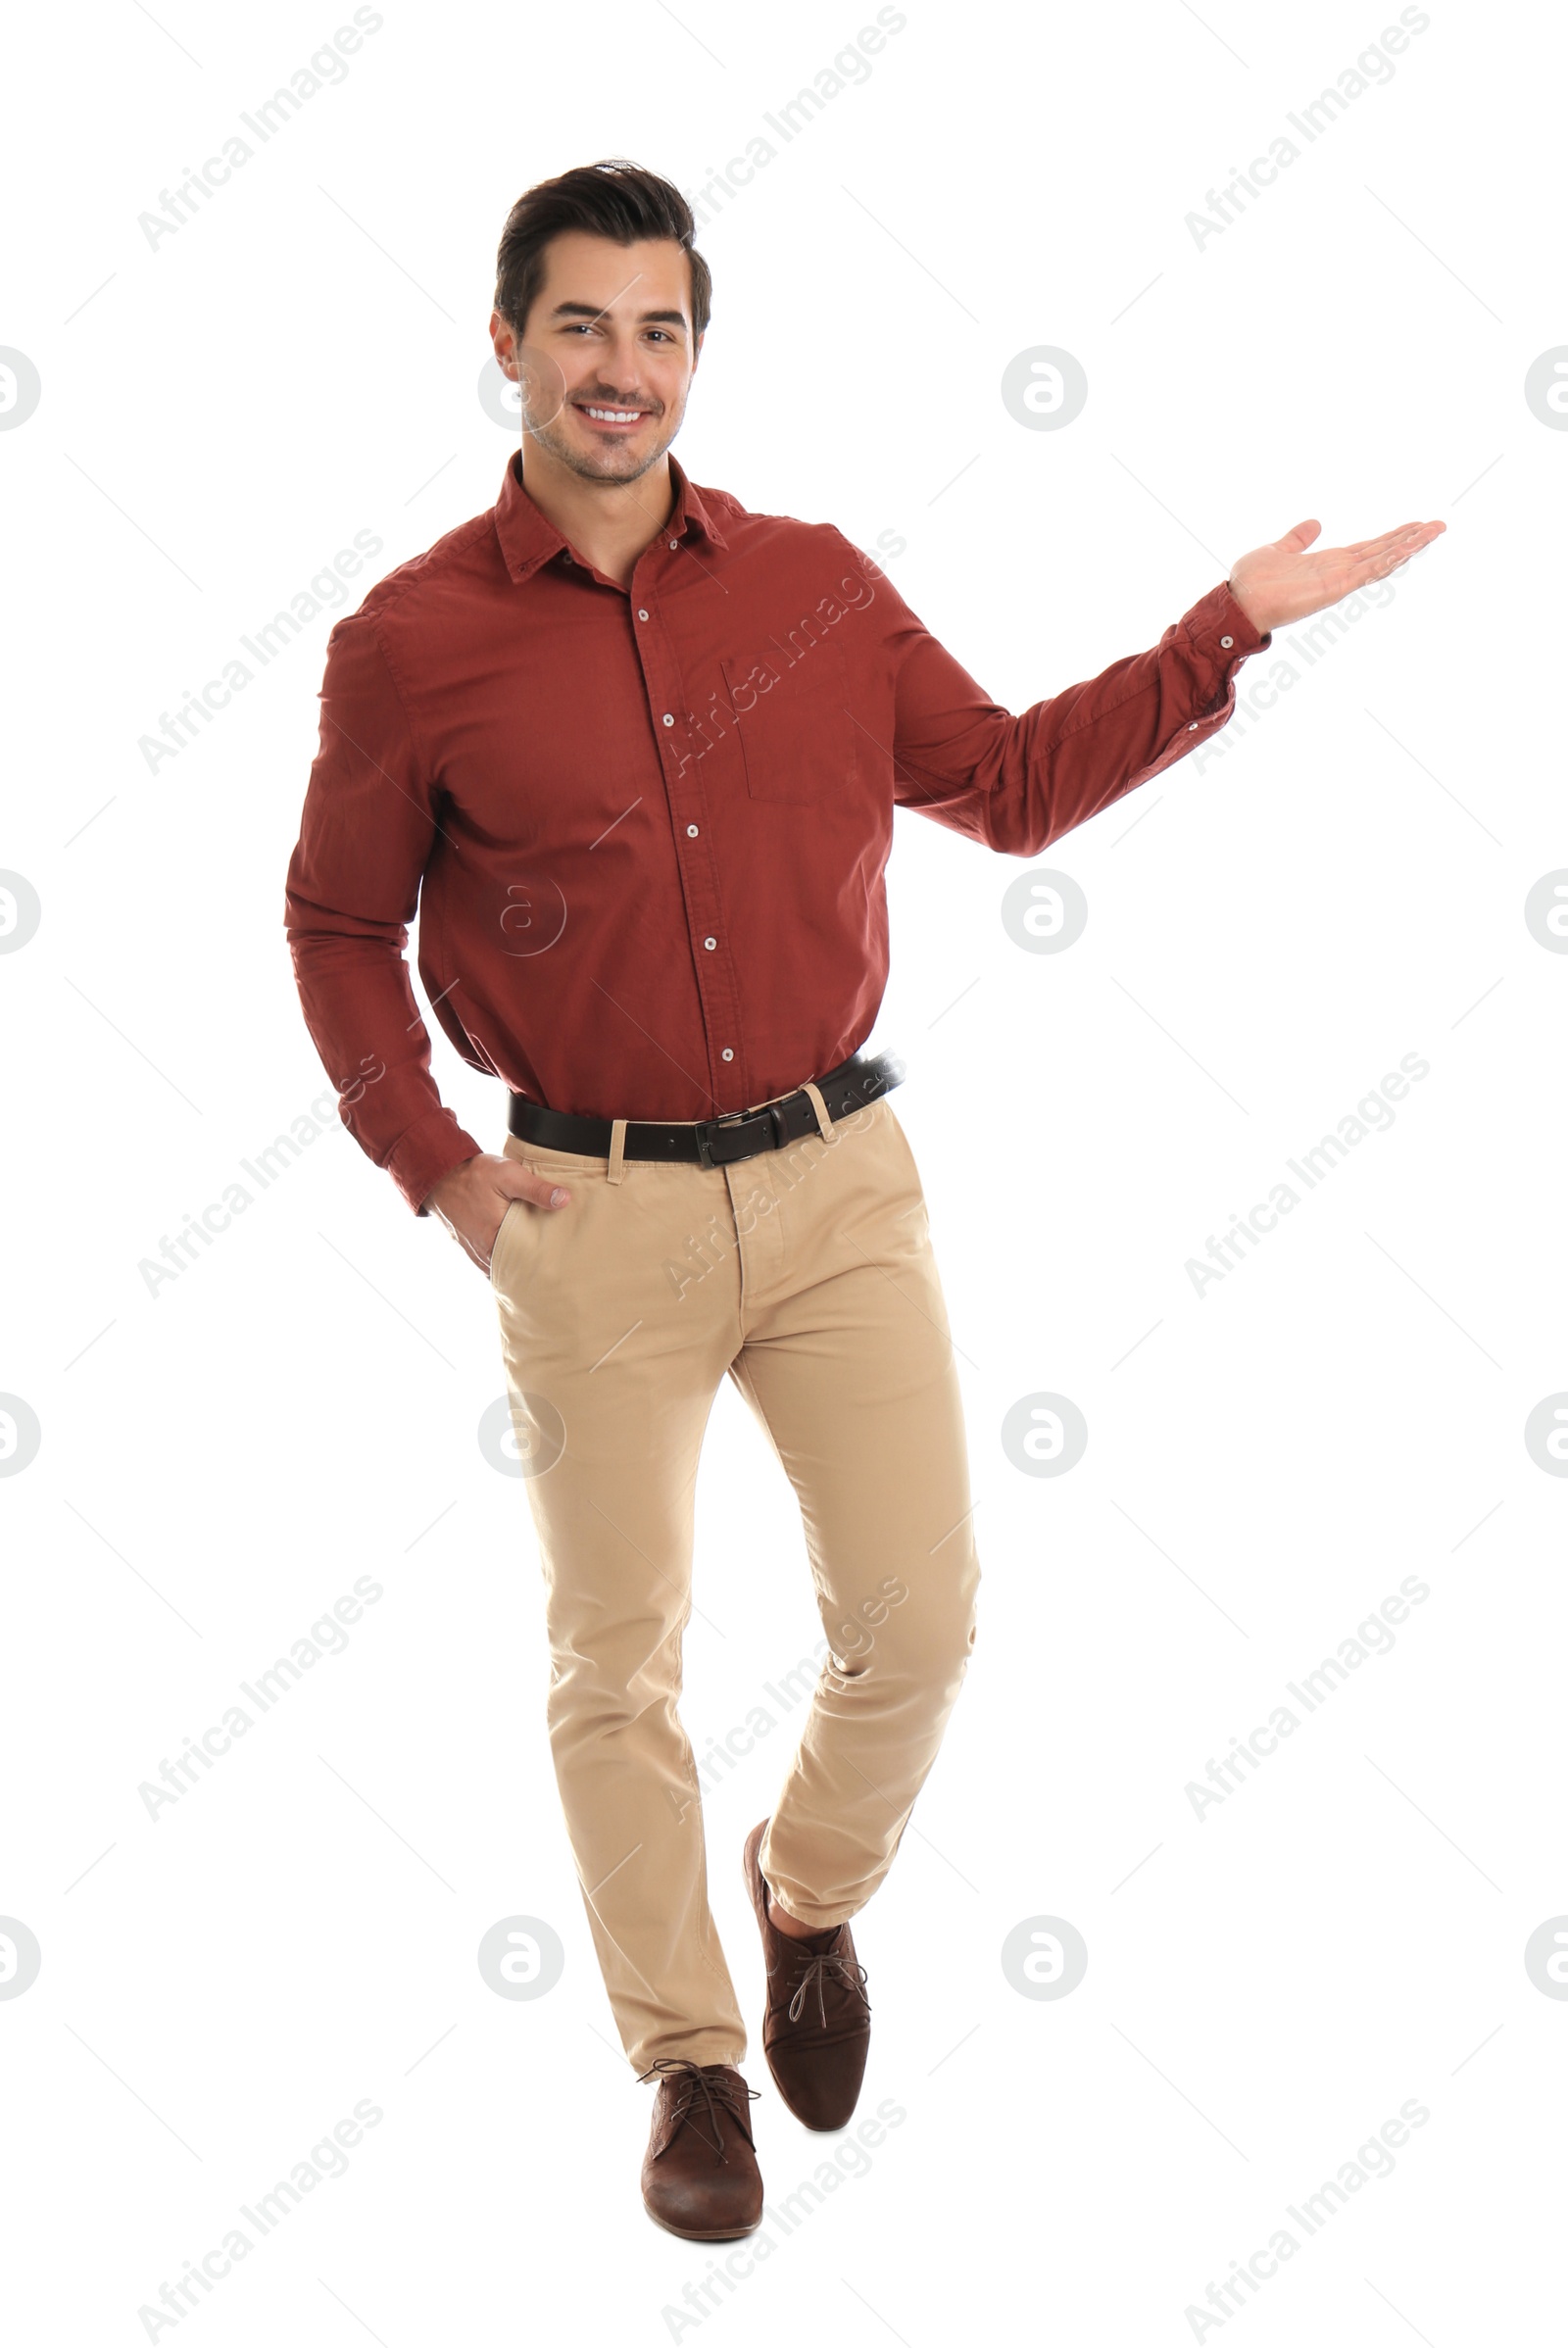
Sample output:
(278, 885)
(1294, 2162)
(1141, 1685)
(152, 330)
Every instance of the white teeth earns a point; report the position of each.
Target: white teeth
(615, 415)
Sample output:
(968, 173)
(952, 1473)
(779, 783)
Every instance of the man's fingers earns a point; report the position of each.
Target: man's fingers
(1404, 543)
(1375, 558)
(1370, 546)
(539, 1195)
(542, 1190)
(1389, 538)
(1410, 537)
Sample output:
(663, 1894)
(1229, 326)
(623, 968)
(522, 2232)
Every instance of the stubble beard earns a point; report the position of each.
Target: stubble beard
(607, 463)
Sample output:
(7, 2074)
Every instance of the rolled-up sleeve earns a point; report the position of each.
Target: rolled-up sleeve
(369, 820)
(1018, 782)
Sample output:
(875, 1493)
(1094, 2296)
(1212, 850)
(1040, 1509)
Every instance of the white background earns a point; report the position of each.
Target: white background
(1343, 886)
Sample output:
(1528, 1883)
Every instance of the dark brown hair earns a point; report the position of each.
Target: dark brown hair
(614, 199)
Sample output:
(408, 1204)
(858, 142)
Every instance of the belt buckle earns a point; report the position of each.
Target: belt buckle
(707, 1128)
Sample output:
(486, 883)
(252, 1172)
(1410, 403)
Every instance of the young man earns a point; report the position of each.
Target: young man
(634, 752)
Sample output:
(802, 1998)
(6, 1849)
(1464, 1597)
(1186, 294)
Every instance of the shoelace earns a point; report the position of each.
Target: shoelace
(815, 1969)
(723, 2091)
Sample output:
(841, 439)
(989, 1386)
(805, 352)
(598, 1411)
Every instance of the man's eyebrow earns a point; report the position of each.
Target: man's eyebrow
(647, 317)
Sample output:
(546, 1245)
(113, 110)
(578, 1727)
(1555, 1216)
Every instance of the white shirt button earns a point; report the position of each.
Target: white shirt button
(1193, 728)
(642, 616)
(673, 544)
(1226, 642)
(691, 831)
(669, 721)
(709, 943)
(726, 1053)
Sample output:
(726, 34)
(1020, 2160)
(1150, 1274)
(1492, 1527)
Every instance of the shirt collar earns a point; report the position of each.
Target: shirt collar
(529, 537)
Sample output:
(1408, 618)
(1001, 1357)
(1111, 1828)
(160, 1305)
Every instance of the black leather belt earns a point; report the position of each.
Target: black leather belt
(713, 1141)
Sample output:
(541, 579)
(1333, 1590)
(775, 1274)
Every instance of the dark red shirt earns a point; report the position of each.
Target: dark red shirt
(645, 831)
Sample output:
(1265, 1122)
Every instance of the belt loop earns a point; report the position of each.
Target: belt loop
(616, 1169)
(824, 1121)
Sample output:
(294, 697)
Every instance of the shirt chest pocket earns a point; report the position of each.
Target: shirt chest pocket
(798, 739)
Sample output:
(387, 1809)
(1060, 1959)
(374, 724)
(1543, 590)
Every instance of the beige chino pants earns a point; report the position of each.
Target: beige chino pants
(807, 1275)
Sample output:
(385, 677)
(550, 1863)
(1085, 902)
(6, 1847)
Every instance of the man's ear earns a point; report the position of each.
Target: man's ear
(504, 343)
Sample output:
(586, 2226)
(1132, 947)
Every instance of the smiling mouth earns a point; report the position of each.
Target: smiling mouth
(612, 419)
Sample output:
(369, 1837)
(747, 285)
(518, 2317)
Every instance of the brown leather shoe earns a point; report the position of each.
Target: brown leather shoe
(699, 2174)
(817, 2029)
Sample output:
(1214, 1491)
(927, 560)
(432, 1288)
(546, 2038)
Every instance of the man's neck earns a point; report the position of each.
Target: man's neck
(607, 524)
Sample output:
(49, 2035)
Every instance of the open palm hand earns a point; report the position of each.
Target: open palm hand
(1285, 581)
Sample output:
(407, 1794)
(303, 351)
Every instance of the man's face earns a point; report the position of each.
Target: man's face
(607, 355)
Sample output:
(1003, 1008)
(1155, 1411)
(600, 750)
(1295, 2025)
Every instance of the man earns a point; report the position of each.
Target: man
(634, 752)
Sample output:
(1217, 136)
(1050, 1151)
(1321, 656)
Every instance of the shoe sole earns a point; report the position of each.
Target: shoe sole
(716, 2233)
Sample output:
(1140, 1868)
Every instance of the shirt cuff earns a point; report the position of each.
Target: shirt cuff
(1217, 625)
(426, 1152)
(1221, 638)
